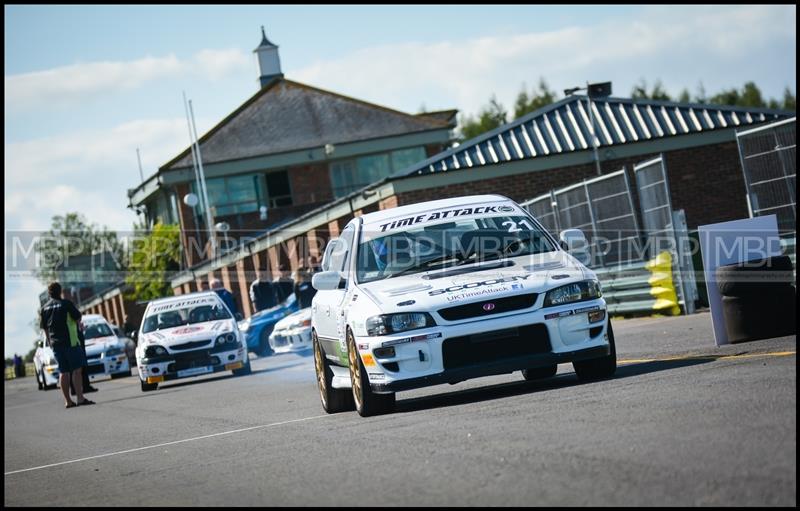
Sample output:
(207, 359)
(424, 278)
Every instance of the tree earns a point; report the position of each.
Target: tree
(154, 257)
(684, 96)
(538, 99)
(789, 100)
(490, 117)
(658, 92)
(69, 236)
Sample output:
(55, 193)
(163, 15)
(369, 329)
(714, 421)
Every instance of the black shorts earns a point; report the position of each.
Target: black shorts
(69, 357)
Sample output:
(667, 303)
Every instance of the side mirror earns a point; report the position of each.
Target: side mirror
(135, 336)
(326, 280)
(574, 242)
(40, 344)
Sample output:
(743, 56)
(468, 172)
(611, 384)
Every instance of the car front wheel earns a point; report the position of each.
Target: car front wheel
(333, 400)
(599, 368)
(367, 402)
(147, 387)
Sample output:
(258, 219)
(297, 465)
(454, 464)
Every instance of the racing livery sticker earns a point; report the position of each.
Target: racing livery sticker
(441, 215)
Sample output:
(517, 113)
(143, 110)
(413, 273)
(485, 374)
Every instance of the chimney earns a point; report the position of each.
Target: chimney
(269, 63)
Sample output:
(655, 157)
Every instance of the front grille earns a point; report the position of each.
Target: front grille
(280, 340)
(190, 345)
(95, 369)
(478, 309)
(485, 347)
(199, 358)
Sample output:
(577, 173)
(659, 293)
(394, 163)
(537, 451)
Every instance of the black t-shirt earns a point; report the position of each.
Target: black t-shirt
(263, 295)
(283, 288)
(304, 292)
(54, 319)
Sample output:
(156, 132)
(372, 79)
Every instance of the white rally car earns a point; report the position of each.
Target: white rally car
(448, 290)
(188, 335)
(105, 352)
(292, 333)
(45, 366)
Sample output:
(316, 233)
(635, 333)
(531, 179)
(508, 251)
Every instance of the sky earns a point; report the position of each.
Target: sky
(85, 86)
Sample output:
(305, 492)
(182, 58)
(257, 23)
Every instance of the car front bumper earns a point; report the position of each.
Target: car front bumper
(294, 339)
(457, 351)
(189, 363)
(99, 367)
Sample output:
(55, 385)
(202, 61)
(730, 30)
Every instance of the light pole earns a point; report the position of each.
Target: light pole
(593, 90)
(197, 163)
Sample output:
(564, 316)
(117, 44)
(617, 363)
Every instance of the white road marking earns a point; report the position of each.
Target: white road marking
(165, 444)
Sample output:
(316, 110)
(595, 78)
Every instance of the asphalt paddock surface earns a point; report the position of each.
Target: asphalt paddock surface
(682, 423)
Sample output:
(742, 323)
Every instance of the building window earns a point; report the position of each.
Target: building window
(233, 195)
(278, 189)
(350, 175)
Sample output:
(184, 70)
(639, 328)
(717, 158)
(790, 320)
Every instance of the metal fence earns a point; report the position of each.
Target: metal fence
(603, 209)
(768, 160)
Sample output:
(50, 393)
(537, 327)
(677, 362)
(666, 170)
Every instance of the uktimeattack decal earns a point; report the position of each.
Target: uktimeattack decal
(473, 285)
(441, 215)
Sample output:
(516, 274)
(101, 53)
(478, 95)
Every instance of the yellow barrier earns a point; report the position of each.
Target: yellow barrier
(661, 286)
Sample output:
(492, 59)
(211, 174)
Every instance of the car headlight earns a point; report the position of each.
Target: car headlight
(244, 326)
(391, 323)
(155, 351)
(575, 292)
(114, 351)
(226, 339)
(301, 324)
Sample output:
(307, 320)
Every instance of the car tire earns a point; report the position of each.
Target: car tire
(147, 387)
(367, 402)
(264, 349)
(598, 368)
(244, 370)
(540, 373)
(333, 400)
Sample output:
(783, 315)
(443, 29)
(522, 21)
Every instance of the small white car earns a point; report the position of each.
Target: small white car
(449, 290)
(106, 353)
(188, 335)
(45, 366)
(292, 333)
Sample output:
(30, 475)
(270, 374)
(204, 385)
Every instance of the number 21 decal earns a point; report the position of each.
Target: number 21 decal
(515, 226)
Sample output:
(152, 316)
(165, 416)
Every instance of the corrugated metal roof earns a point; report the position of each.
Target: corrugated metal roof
(565, 127)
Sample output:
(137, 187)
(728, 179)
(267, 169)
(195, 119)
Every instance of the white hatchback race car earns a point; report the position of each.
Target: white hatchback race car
(292, 333)
(448, 290)
(188, 335)
(106, 354)
(45, 366)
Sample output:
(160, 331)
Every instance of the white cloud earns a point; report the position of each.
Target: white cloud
(73, 84)
(678, 44)
(88, 171)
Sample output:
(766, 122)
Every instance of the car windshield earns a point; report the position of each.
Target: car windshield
(446, 244)
(185, 312)
(97, 330)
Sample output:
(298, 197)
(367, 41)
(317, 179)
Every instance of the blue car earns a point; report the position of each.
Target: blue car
(257, 327)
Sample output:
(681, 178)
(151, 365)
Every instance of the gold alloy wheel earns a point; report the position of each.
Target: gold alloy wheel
(320, 367)
(355, 370)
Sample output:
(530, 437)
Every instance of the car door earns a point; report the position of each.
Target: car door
(327, 307)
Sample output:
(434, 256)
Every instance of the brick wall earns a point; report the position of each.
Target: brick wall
(310, 184)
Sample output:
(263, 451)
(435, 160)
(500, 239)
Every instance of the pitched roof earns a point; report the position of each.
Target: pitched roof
(565, 126)
(288, 116)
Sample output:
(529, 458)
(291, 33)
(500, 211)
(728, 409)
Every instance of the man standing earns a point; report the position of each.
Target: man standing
(62, 336)
(262, 292)
(227, 297)
(284, 284)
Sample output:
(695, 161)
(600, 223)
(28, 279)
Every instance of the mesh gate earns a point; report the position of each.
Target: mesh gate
(602, 208)
(768, 160)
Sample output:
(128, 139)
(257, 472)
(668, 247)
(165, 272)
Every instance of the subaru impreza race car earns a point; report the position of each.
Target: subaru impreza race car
(448, 290)
(292, 333)
(188, 335)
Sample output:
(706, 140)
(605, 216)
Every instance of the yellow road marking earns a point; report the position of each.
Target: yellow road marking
(710, 357)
